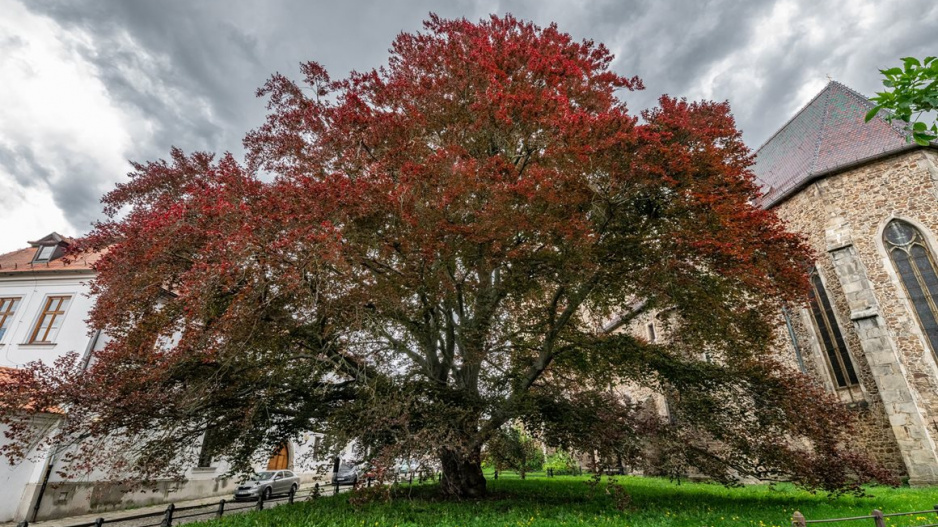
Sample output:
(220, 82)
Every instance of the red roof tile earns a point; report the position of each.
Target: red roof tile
(21, 261)
(8, 377)
(830, 132)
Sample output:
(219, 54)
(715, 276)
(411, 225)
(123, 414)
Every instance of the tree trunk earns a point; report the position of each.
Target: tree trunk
(462, 473)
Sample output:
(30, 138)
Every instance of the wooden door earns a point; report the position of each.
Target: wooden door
(280, 459)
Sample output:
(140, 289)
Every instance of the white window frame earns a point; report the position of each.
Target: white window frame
(12, 315)
(34, 327)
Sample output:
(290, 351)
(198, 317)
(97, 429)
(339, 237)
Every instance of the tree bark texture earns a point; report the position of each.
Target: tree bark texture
(462, 473)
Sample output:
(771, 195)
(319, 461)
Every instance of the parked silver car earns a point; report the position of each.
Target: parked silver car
(348, 474)
(268, 483)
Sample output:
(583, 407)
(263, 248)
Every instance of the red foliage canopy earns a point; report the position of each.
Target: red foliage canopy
(414, 256)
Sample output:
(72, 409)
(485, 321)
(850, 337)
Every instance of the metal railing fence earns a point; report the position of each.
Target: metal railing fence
(879, 519)
(174, 515)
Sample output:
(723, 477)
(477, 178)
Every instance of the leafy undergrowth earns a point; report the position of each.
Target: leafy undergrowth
(569, 500)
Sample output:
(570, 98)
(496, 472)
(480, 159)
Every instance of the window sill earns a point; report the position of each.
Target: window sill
(37, 345)
(203, 470)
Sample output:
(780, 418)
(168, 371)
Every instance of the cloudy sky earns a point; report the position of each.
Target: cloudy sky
(86, 86)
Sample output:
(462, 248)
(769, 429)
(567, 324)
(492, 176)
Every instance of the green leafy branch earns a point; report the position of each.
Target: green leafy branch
(914, 93)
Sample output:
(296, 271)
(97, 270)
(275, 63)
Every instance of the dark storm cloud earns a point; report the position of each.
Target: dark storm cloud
(667, 44)
(174, 63)
(76, 194)
(188, 69)
(25, 167)
(215, 58)
(824, 42)
(208, 58)
(70, 191)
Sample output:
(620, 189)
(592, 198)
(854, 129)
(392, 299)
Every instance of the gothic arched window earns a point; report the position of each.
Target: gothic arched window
(916, 268)
(831, 339)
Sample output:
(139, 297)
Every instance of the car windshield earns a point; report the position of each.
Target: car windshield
(261, 476)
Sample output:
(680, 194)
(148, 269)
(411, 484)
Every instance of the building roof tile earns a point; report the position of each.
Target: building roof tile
(21, 261)
(830, 132)
(10, 383)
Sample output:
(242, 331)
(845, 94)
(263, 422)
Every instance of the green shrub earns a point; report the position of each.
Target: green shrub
(512, 449)
(562, 463)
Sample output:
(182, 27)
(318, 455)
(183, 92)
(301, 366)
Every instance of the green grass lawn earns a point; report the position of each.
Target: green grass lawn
(568, 500)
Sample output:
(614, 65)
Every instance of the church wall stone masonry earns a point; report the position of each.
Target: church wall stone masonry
(842, 183)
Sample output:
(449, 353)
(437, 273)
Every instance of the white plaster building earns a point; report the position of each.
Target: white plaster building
(44, 305)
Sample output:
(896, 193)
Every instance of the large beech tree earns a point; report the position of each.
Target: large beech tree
(417, 256)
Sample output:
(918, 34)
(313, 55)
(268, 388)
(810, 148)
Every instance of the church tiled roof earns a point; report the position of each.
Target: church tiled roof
(829, 133)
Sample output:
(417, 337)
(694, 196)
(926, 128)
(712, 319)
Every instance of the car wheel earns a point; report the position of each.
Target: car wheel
(293, 489)
(355, 480)
(267, 493)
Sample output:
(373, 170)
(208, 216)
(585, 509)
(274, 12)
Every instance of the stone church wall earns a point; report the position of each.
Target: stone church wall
(843, 216)
(874, 433)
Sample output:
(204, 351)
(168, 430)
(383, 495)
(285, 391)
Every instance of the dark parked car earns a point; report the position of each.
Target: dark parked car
(268, 483)
(348, 474)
